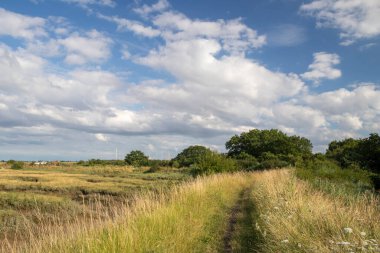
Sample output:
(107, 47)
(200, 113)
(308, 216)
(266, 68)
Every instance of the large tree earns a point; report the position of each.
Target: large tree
(258, 143)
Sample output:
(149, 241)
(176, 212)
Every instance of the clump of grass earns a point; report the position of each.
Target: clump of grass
(295, 217)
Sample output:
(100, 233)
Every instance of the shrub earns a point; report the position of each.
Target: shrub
(17, 166)
(326, 173)
(211, 163)
(175, 164)
(153, 169)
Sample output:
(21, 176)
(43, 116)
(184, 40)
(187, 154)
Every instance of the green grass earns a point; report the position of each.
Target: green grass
(334, 180)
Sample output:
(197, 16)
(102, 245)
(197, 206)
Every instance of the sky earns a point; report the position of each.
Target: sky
(83, 79)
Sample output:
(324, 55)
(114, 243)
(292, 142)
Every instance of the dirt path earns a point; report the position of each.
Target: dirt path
(240, 235)
(232, 221)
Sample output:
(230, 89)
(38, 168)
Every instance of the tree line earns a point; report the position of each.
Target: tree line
(264, 149)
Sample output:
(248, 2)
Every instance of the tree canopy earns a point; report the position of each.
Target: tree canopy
(191, 155)
(363, 152)
(261, 143)
(136, 158)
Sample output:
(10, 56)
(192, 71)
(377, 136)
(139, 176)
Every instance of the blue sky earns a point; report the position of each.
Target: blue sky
(82, 78)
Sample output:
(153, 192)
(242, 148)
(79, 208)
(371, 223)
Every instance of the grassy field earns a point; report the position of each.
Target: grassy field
(118, 209)
(60, 195)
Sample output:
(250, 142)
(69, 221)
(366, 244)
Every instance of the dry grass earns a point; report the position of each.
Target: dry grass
(191, 218)
(284, 214)
(294, 217)
(55, 197)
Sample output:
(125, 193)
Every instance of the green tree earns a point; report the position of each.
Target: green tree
(369, 151)
(353, 152)
(345, 152)
(136, 158)
(191, 155)
(259, 143)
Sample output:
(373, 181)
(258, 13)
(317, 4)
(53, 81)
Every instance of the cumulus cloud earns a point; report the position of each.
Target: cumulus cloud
(363, 99)
(131, 25)
(144, 10)
(235, 36)
(323, 67)
(91, 47)
(356, 19)
(21, 26)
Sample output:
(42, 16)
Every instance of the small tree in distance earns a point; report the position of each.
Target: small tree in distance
(136, 158)
(191, 155)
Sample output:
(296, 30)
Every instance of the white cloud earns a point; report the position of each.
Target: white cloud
(161, 5)
(298, 116)
(101, 137)
(323, 67)
(347, 121)
(21, 26)
(361, 100)
(92, 47)
(131, 25)
(356, 19)
(203, 75)
(125, 54)
(234, 36)
(349, 110)
(84, 3)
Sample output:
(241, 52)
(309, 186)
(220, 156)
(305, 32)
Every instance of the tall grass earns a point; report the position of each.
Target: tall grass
(191, 218)
(295, 217)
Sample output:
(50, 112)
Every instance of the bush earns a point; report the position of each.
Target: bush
(376, 181)
(17, 166)
(328, 175)
(153, 169)
(211, 163)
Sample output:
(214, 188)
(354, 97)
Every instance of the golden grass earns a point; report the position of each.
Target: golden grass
(287, 215)
(294, 217)
(191, 218)
(33, 198)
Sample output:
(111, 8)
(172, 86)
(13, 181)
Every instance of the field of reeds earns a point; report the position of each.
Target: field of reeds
(268, 211)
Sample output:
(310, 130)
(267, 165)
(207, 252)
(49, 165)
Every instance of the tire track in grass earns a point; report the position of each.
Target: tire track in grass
(240, 235)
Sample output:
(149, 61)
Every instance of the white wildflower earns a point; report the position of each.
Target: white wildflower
(363, 233)
(343, 243)
(285, 241)
(347, 230)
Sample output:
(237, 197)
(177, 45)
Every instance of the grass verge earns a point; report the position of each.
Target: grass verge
(295, 217)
